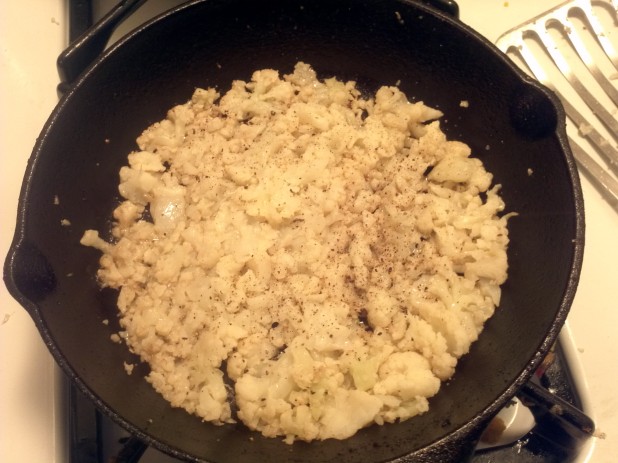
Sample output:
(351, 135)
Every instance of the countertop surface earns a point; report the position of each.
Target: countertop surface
(31, 424)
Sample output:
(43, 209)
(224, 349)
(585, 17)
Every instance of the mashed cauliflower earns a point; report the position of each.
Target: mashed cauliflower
(301, 259)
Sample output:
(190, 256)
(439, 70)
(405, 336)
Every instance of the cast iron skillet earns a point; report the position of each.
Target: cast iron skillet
(514, 125)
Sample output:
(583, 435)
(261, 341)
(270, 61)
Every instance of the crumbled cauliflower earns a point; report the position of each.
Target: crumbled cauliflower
(323, 258)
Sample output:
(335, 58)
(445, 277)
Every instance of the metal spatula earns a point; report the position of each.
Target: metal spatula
(572, 51)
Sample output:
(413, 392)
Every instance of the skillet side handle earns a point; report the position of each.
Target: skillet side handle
(85, 49)
(449, 7)
(28, 275)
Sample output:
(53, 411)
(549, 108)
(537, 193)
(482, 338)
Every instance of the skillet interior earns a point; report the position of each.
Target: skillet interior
(510, 124)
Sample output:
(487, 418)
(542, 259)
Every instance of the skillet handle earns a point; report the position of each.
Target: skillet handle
(446, 6)
(560, 420)
(84, 50)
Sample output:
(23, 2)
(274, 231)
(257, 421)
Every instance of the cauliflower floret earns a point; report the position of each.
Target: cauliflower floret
(422, 338)
(146, 161)
(212, 403)
(137, 185)
(364, 371)
(407, 375)
(167, 207)
(91, 238)
(454, 169)
(381, 306)
(349, 411)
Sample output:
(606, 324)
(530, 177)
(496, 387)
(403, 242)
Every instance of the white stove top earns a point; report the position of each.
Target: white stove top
(32, 427)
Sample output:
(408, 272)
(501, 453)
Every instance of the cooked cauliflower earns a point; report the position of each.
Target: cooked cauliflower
(323, 258)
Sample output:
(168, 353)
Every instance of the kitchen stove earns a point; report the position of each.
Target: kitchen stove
(42, 418)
